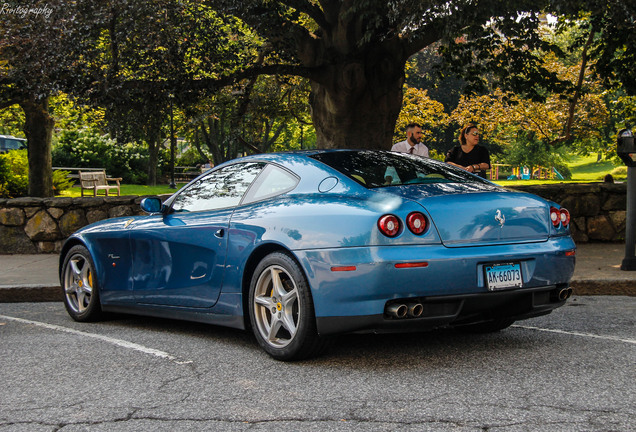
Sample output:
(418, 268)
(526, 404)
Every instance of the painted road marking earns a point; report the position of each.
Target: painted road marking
(587, 335)
(118, 342)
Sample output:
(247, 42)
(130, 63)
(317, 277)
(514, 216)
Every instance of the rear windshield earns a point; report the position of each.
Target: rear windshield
(375, 169)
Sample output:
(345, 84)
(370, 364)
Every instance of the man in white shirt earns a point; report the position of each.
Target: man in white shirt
(412, 144)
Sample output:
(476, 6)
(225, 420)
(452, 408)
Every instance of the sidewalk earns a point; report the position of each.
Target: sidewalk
(32, 278)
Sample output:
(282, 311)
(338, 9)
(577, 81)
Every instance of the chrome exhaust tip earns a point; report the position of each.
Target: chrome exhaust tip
(415, 310)
(397, 310)
(565, 294)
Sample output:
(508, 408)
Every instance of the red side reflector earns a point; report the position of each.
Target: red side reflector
(411, 265)
(570, 253)
(343, 268)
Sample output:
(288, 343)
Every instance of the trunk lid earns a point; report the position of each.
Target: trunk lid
(482, 216)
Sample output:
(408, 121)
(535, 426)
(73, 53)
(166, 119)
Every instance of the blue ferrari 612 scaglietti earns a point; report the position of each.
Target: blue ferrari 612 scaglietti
(303, 245)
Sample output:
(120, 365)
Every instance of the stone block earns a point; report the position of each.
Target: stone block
(61, 202)
(25, 202)
(31, 211)
(42, 227)
(582, 205)
(12, 217)
(56, 212)
(96, 215)
(119, 211)
(619, 219)
(71, 221)
(600, 228)
(49, 247)
(88, 202)
(15, 240)
(615, 202)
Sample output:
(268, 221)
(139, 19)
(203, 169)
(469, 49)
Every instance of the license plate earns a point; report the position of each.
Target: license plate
(503, 276)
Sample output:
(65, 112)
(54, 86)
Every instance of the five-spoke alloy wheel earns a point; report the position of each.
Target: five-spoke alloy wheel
(81, 294)
(281, 309)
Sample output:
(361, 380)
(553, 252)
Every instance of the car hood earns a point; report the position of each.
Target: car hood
(481, 214)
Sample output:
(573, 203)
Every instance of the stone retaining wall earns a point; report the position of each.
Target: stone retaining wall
(40, 225)
(598, 210)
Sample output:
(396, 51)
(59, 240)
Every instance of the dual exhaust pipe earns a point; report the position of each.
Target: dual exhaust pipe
(404, 310)
(415, 310)
(564, 294)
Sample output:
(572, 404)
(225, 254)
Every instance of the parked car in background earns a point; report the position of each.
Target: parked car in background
(302, 245)
(8, 142)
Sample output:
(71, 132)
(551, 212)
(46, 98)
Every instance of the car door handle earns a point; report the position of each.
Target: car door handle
(219, 233)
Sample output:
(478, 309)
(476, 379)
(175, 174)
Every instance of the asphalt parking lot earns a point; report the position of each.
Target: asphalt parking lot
(572, 370)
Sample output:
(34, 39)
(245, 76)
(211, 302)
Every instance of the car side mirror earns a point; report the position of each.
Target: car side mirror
(151, 205)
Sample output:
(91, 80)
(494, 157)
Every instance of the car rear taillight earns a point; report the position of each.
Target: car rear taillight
(565, 217)
(389, 225)
(416, 222)
(555, 216)
(559, 216)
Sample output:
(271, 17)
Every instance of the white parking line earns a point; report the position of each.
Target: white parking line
(118, 342)
(588, 335)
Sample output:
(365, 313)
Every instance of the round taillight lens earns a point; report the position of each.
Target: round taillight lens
(555, 216)
(416, 222)
(564, 216)
(389, 225)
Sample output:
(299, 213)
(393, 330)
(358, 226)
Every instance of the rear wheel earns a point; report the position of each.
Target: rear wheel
(281, 309)
(79, 282)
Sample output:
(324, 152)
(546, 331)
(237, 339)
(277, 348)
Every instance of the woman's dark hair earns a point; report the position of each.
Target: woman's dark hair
(464, 131)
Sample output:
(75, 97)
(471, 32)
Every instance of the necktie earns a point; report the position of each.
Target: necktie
(411, 149)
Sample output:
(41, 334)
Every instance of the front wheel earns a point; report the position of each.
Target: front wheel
(81, 293)
(281, 309)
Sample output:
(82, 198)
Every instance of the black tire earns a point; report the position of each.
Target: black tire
(488, 326)
(80, 286)
(281, 310)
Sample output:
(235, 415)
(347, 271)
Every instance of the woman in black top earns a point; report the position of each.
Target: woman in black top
(469, 155)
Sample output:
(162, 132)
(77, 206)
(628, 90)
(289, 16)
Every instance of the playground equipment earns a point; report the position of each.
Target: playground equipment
(537, 172)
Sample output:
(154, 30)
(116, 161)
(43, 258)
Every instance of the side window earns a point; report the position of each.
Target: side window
(13, 144)
(220, 189)
(273, 181)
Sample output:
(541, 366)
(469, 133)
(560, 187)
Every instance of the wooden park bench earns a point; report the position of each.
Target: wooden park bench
(96, 181)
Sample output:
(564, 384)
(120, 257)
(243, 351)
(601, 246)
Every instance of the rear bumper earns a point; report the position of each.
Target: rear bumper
(458, 310)
(451, 283)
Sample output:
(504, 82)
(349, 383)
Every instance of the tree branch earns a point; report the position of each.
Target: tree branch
(216, 83)
(578, 90)
(313, 11)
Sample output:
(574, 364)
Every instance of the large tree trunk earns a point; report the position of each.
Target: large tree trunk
(357, 102)
(38, 128)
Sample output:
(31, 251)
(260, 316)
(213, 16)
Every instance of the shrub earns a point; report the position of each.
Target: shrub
(619, 172)
(14, 174)
(528, 150)
(61, 182)
(86, 148)
(190, 157)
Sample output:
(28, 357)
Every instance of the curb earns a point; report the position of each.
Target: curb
(620, 287)
(30, 293)
(53, 293)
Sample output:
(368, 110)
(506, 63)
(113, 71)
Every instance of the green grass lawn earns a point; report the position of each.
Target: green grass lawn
(586, 168)
(128, 189)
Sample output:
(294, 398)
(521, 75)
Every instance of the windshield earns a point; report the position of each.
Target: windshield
(374, 169)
